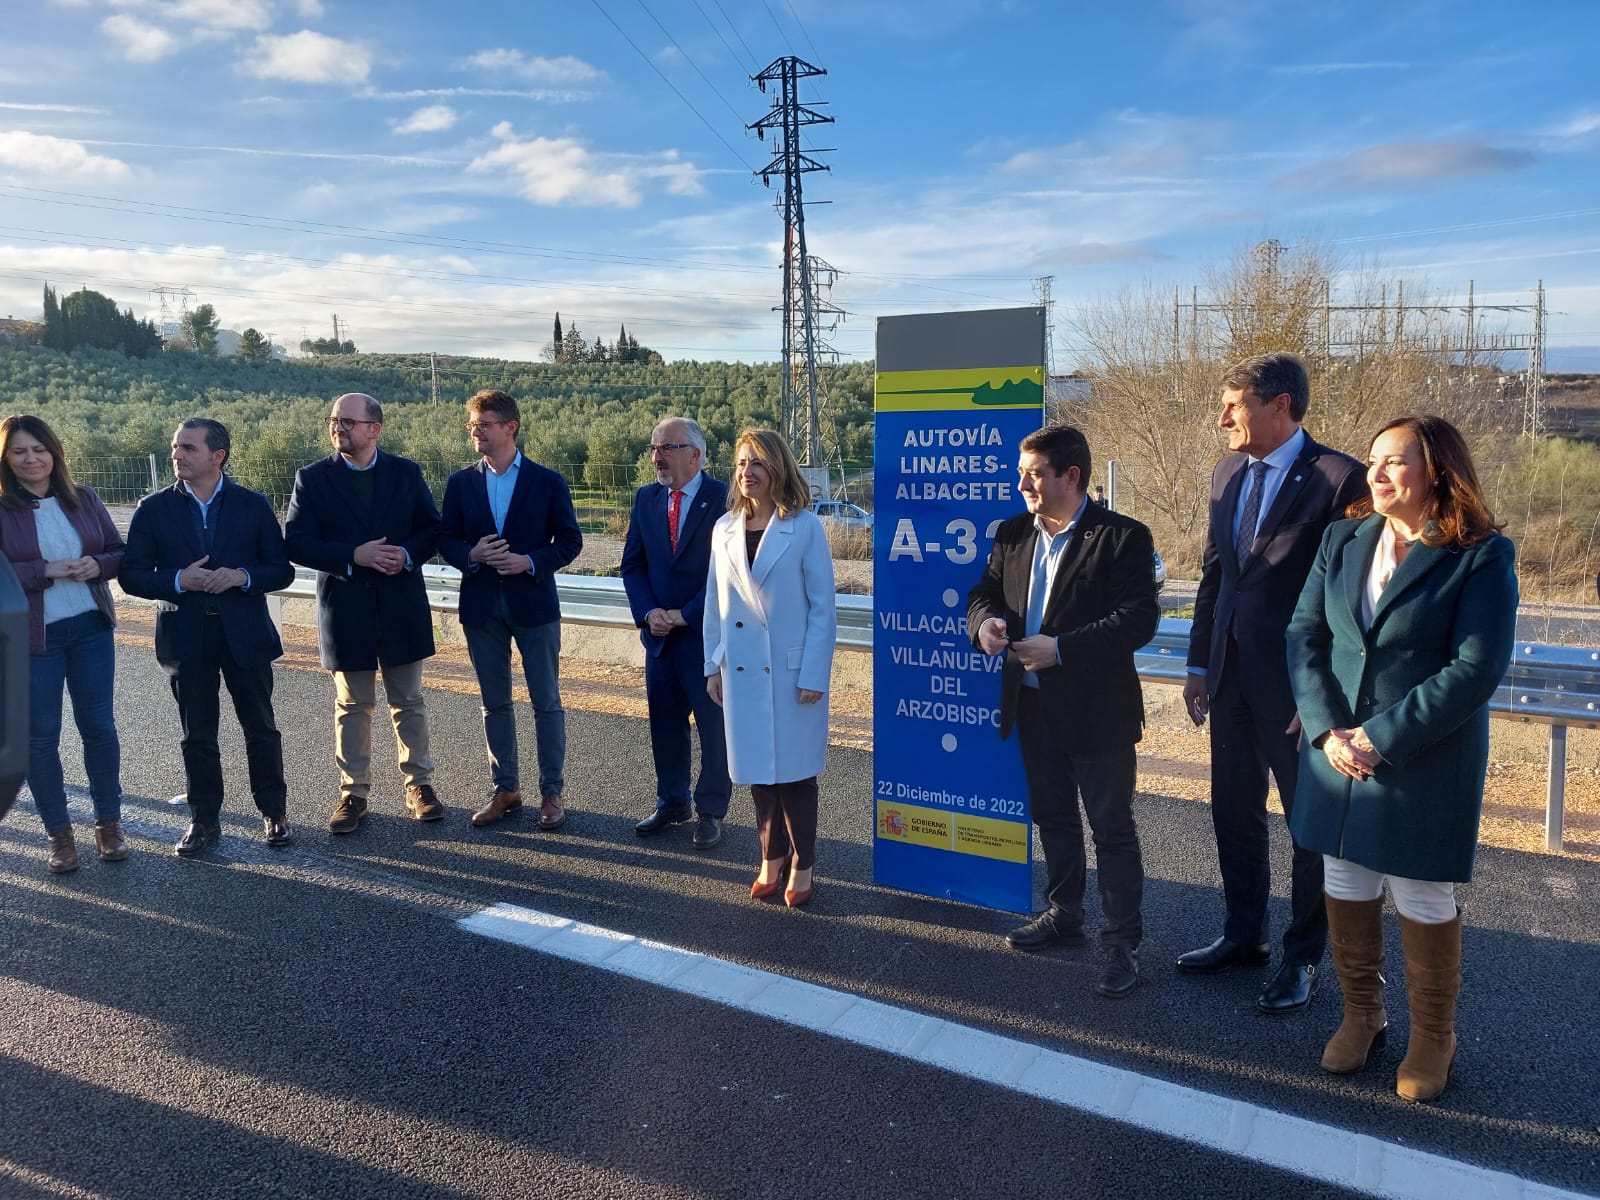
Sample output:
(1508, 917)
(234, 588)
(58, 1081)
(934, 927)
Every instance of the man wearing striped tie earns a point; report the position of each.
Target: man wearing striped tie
(1271, 498)
(664, 566)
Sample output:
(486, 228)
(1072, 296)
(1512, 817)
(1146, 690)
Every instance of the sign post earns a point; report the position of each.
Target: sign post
(955, 393)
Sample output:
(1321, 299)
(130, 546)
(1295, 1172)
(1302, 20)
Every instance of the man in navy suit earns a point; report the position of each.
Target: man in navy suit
(365, 521)
(664, 565)
(1271, 498)
(508, 528)
(208, 551)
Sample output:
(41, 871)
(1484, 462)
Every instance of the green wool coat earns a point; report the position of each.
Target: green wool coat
(1418, 682)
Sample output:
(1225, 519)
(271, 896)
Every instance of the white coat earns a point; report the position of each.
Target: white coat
(770, 628)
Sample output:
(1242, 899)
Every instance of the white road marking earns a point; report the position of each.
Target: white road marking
(1260, 1135)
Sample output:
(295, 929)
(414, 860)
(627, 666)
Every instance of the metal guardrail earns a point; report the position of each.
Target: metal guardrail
(1558, 686)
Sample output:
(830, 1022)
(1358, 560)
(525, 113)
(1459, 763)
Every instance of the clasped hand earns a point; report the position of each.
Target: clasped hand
(1351, 753)
(81, 569)
(197, 577)
(662, 621)
(379, 556)
(494, 552)
(1036, 653)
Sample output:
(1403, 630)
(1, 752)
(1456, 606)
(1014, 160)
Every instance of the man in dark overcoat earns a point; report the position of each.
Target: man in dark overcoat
(365, 521)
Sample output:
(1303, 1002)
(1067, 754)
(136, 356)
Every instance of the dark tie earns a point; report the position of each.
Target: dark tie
(673, 509)
(1251, 517)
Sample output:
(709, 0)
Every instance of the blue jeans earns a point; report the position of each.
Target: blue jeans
(79, 652)
(489, 648)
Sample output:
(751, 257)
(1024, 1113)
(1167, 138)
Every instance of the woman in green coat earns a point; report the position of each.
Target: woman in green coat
(1401, 636)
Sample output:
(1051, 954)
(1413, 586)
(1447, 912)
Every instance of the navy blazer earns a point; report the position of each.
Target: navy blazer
(162, 540)
(1254, 605)
(365, 619)
(540, 523)
(655, 576)
(1418, 680)
(1101, 609)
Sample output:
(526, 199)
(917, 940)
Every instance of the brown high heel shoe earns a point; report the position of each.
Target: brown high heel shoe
(760, 891)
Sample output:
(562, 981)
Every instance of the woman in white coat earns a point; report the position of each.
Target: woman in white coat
(770, 628)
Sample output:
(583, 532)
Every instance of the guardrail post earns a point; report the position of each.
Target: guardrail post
(155, 475)
(1555, 803)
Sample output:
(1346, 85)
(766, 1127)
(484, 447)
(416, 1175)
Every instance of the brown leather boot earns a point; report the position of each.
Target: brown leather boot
(1433, 981)
(63, 854)
(109, 842)
(500, 803)
(1355, 940)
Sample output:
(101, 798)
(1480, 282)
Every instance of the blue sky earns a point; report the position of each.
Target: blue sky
(447, 176)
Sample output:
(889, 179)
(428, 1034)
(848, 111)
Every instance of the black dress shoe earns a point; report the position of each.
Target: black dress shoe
(707, 832)
(1121, 973)
(1043, 931)
(1290, 989)
(197, 837)
(277, 831)
(660, 819)
(1223, 955)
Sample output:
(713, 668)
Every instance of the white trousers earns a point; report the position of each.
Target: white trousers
(1424, 901)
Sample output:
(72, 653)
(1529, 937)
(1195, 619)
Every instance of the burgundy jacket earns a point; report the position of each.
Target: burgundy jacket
(19, 540)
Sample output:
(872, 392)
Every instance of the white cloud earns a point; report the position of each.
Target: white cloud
(1404, 163)
(80, 109)
(309, 57)
(140, 42)
(565, 171)
(556, 171)
(221, 15)
(309, 9)
(1579, 126)
(41, 154)
(435, 118)
(565, 70)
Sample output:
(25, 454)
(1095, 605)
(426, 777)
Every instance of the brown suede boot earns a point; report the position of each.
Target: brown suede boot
(1433, 981)
(1355, 939)
(63, 854)
(109, 842)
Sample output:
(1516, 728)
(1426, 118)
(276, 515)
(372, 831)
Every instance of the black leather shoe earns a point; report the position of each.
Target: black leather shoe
(1290, 989)
(1223, 955)
(660, 819)
(1121, 974)
(1043, 931)
(707, 832)
(197, 837)
(277, 831)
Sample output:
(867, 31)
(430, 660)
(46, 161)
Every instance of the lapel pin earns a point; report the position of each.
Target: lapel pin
(1088, 535)
(1297, 479)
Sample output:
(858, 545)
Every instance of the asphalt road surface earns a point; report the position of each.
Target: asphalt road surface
(331, 1021)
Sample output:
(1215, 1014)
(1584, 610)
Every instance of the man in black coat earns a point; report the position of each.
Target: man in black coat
(1068, 595)
(508, 527)
(208, 551)
(665, 560)
(365, 521)
(1271, 499)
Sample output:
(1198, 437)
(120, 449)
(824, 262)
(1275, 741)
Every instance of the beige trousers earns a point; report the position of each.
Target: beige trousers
(355, 696)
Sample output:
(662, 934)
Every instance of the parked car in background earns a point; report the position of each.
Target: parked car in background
(842, 512)
(1161, 571)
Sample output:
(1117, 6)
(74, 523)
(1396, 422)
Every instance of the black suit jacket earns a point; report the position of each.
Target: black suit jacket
(539, 523)
(365, 618)
(655, 577)
(1102, 608)
(1254, 605)
(162, 540)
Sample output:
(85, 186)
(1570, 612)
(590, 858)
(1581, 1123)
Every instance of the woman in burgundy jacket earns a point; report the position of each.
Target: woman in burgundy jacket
(63, 546)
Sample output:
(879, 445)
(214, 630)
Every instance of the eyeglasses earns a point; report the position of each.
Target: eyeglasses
(664, 447)
(476, 426)
(345, 423)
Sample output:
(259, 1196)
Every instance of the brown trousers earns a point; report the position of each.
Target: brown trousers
(786, 819)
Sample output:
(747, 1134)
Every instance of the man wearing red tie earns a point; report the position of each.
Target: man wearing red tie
(664, 565)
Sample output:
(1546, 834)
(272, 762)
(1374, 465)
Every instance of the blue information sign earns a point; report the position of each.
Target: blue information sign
(956, 393)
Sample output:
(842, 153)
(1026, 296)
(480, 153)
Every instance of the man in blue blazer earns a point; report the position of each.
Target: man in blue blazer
(665, 560)
(508, 527)
(1271, 498)
(208, 551)
(365, 521)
